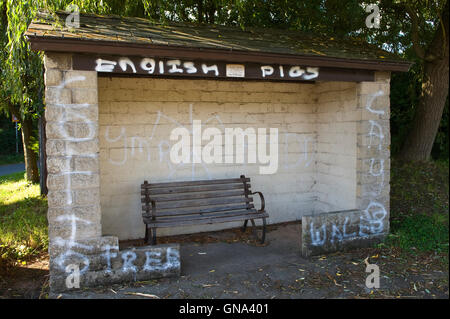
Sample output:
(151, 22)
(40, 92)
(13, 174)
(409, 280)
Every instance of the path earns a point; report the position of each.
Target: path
(11, 168)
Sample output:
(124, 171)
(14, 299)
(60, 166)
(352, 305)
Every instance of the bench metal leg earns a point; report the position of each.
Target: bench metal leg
(146, 235)
(150, 236)
(154, 236)
(263, 235)
(244, 227)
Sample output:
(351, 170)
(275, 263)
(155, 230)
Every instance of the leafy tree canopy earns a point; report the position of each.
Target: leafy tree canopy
(408, 27)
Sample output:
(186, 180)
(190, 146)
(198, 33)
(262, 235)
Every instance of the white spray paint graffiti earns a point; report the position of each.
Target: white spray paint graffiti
(304, 141)
(375, 131)
(338, 235)
(72, 110)
(108, 255)
(372, 219)
(71, 254)
(316, 238)
(122, 136)
(128, 258)
(154, 66)
(143, 145)
(377, 174)
(153, 260)
(370, 101)
(71, 243)
(370, 223)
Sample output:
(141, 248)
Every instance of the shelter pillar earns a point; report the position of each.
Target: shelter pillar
(373, 151)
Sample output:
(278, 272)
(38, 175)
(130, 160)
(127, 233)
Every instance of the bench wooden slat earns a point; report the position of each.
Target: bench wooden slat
(194, 211)
(190, 189)
(203, 202)
(206, 220)
(175, 204)
(210, 215)
(176, 196)
(195, 183)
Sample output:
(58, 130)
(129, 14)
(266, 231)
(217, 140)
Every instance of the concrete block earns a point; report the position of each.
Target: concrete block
(86, 246)
(61, 61)
(86, 164)
(85, 96)
(58, 96)
(382, 76)
(343, 230)
(112, 266)
(57, 165)
(80, 79)
(63, 230)
(53, 77)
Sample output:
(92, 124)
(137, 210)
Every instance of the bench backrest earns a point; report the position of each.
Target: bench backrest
(196, 197)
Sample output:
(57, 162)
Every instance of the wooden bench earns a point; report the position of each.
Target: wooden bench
(200, 202)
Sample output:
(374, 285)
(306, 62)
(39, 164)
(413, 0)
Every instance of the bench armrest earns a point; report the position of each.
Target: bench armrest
(263, 202)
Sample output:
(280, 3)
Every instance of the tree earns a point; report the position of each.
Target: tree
(21, 81)
(21, 85)
(434, 57)
(416, 29)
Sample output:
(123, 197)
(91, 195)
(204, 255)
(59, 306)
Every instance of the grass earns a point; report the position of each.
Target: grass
(424, 233)
(420, 207)
(23, 221)
(11, 159)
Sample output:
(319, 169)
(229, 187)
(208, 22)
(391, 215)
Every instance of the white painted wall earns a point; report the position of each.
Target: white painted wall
(136, 117)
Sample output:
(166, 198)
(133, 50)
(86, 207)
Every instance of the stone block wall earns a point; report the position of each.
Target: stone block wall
(79, 255)
(72, 151)
(323, 138)
(337, 121)
(374, 139)
(353, 209)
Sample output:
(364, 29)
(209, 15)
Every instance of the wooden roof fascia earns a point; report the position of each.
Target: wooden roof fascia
(135, 49)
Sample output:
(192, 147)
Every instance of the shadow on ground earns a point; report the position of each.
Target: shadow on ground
(28, 281)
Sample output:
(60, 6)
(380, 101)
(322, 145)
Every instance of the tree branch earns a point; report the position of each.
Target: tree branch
(443, 20)
(415, 32)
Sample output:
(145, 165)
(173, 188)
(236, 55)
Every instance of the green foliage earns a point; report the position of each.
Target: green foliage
(11, 159)
(23, 221)
(422, 233)
(420, 212)
(22, 73)
(8, 138)
(405, 92)
(22, 79)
